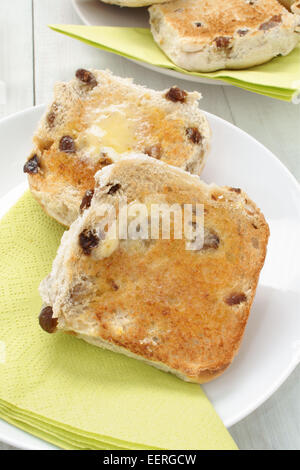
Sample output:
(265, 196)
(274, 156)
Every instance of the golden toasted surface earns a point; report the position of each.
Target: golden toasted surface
(97, 111)
(158, 300)
(205, 20)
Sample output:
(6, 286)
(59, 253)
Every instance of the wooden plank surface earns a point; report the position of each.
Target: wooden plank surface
(31, 66)
(16, 55)
(274, 123)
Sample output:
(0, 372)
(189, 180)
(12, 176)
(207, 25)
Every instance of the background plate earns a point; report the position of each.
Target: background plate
(96, 13)
(271, 346)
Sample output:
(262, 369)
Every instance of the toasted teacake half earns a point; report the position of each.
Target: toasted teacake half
(208, 35)
(179, 309)
(97, 111)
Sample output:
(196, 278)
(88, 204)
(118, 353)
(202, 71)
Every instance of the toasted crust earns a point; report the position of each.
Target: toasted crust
(180, 310)
(287, 3)
(112, 113)
(213, 34)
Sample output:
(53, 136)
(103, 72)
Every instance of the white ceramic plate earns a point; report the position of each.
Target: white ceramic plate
(271, 346)
(96, 13)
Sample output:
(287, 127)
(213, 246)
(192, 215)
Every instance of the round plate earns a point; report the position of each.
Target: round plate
(96, 13)
(271, 346)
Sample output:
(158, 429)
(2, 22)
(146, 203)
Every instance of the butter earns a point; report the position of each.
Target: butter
(107, 247)
(113, 130)
(118, 132)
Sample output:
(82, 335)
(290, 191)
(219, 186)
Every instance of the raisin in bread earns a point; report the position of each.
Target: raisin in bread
(97, 111)
(181, 310)
(209, 35)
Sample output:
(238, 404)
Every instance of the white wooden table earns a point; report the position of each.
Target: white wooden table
(32, 58)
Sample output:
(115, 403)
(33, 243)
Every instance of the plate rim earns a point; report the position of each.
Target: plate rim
(292, 365)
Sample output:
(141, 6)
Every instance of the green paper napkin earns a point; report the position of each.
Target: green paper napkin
(70, 393)
(279, 78)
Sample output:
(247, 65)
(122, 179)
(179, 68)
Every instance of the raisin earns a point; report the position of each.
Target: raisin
(88, 240)
(114, 188)
(236, 190)
(211, 240)
(85, 76)
(46, 320)
(51, 118)
(175, 94)
(105, 160)
(272, 23)
(198, 24)
(242, 32)
(222, 42)
(32, 165)
(67, 144)
(113, 284)
(194, 135)
(154, 151)
(86, 200)
(235, 298)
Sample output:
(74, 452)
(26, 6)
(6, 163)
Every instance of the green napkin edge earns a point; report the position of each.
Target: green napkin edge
(12, 412)
(54, 436)
(284, 94)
